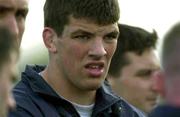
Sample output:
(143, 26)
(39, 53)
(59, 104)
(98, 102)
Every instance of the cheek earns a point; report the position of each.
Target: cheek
(128, 83)
(21, 27)
(72, 55)
(78, 51)
(133, 90)
(130, 89)
(131, 84)
(110, 49)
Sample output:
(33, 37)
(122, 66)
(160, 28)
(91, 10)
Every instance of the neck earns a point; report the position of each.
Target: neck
(65, 89)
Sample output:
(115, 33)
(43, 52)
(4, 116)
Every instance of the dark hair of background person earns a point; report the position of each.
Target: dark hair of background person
(58, 12)
(131, 39)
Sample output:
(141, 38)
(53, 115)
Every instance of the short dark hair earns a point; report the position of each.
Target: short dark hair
(7, 44)
(131, 39)
(57, 12)
(170, 42)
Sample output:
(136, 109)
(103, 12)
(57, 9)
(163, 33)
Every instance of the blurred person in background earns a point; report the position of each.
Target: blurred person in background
(133, 66)
(9, 53)
(12, 15)
(168, 80)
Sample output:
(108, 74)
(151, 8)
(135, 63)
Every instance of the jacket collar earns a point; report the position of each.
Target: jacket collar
(37, 83)
(40, 86)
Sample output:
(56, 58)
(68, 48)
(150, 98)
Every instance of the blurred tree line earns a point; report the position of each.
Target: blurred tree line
(34, 55)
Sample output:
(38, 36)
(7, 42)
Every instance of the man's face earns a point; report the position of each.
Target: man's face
(84, 52)
(135, 83)
(12, 15)
(7, 74)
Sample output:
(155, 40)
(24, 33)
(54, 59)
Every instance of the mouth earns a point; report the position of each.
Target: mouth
(95, 69)
(152, 100)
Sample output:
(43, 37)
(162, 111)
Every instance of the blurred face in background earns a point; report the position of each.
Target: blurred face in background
(8, 72)
(135, 83)
(171, 76)
(12, 15)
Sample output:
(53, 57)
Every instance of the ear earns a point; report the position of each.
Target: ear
(159, 83)
(49, 37)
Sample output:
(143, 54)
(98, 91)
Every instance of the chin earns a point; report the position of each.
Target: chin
(93, 87)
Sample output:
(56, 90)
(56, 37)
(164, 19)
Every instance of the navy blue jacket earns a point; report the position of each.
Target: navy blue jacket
(35, 98)
(165, 111)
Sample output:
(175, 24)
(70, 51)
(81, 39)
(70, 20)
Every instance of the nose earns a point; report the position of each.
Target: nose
(97, 49)
(156, 81)
(11, 23)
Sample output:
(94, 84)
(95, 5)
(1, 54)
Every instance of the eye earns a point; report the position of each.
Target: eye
(144, 73)
(82, 37)
(21, 14)
(111, 37)
(4, 11)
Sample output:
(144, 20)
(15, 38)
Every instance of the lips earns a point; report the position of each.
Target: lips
(153, 100)
(95, 69)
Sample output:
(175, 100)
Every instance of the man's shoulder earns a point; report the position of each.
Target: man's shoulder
(129, 110)
(28, 101)
(124, 106)
(138, 111)
(117, 105)
(24, 100)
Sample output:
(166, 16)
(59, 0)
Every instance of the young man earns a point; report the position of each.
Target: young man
(9, 53)
(168, 81)
(12, 15)
(81, 37)
(132, 67)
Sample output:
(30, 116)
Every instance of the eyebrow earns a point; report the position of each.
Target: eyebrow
(147, 70)
(6, 8)
(115, 32)
(81, 32)
(24, 10)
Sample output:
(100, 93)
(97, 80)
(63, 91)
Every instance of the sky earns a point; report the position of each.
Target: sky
(159, 15)
(34, 25)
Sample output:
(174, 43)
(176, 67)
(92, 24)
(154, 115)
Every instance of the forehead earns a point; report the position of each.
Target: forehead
(148, 59)
(14, 4)
(7, 2)
(90, 26)
(21, 3)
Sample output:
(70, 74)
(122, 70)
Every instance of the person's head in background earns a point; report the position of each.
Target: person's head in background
(12, 15)
(168, 82)
(133, 65)
(9, 53)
